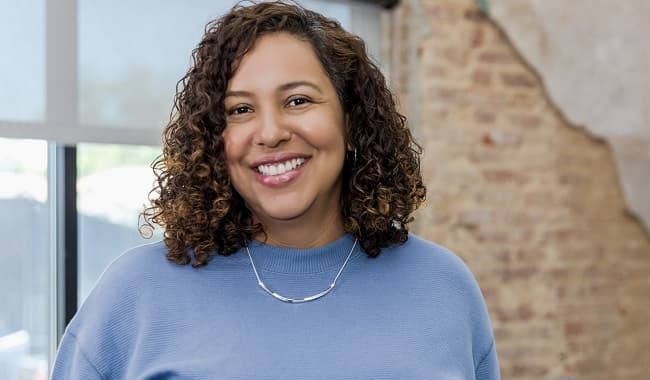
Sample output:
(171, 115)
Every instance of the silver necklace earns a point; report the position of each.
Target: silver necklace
(299, 300)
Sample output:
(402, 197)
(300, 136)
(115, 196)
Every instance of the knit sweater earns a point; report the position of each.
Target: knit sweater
(414, 312)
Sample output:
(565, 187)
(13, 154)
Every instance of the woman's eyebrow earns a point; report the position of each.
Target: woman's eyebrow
(292, 85)
(239, 94)
(281, 88)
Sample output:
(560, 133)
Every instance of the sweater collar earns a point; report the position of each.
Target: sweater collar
(302, 260)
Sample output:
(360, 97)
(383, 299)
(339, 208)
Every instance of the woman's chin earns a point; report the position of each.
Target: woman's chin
(281, 213)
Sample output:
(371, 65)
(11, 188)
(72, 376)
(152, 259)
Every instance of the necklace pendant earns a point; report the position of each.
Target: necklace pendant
(299, 300)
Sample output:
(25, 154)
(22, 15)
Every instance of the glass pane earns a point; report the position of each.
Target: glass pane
(132, 53)
(113, 185)
(339, 10)
(22, 60)
(24, 260)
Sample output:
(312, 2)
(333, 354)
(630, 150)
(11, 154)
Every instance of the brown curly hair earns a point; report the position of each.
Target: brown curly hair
(196, 204)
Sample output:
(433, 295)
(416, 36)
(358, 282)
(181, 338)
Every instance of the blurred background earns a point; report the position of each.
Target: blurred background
(534, 117)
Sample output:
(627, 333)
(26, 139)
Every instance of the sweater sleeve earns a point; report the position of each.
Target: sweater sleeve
(72, 363)
(98, 341)
(488, 367)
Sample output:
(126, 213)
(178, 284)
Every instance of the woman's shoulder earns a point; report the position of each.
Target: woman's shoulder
(109, 317)
(140, 263)
(437, 267)
(141, 256)
(450, 281)
(454, 285)
(125, 278)
(431, 254)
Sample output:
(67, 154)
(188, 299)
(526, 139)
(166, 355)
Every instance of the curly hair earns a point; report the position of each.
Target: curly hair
(195, 201)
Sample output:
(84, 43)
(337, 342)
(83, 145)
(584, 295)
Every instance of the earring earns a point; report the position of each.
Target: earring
(351, 156)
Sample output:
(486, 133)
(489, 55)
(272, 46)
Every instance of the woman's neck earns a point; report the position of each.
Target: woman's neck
(300, 233)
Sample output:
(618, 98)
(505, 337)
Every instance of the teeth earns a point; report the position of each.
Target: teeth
(280, 168)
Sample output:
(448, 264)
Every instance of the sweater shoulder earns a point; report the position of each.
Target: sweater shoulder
(452, 280)
(139, 257)
(444, 267)
(107, 320)
(118, 287)
(135, 266)
(434, 257)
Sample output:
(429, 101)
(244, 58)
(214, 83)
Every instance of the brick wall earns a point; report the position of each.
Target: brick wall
(531, 203)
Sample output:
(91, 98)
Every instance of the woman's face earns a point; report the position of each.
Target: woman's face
(284, 138)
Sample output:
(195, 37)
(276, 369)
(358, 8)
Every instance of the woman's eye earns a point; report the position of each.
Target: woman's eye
(298, 101)
(239, 110)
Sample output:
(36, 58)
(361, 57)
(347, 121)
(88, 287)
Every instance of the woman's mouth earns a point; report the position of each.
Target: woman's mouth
(278, 174)
(280, 167)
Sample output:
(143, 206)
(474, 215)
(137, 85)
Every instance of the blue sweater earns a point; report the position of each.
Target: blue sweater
(415, 312)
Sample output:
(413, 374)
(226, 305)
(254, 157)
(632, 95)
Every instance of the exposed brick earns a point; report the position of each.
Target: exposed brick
(454, 55)
(574, 328)
(439, 218)
(474, 15)
(558, 273)
(435, 71)
(505, 176)
(481, 77)
(504, 256)
(448, 94)
(530, 203)
(529, 254)
(474, 218)
(509, 274)
(488, 293)
(518, 80)
(484, 117)
(525, 120)
(441, 13)
(539, 198)
(511, 353)
(496, 57)
(478, 37)
(520, 370)
(501, 138)
(491, 237)
(502, 333)
(520, 313)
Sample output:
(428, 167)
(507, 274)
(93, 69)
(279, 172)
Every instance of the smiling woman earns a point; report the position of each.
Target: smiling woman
(286, 166)
(294, 76)
(283, 110)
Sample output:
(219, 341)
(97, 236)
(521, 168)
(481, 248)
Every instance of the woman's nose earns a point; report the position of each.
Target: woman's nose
(273, 130)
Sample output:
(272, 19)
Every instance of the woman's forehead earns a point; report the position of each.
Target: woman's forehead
(276, 60)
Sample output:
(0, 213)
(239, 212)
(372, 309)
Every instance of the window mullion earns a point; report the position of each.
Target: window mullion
(61, 102)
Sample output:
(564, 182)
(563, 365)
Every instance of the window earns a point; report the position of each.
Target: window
(24, 260)
(113, 182)
(22, 62)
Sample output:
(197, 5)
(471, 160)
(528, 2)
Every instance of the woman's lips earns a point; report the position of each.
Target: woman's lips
(280, 180)
(282, 157)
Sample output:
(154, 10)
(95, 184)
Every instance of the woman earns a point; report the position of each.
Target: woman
(287, 180)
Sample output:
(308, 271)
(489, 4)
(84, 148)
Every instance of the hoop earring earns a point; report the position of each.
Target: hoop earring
(351, 157)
